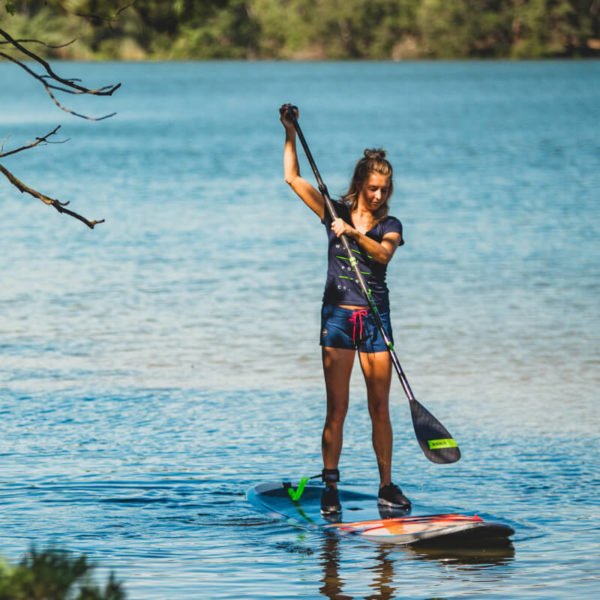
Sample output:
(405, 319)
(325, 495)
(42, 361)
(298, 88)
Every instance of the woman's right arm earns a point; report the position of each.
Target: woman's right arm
(307, 192)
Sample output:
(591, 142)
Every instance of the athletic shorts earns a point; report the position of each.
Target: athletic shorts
(353, 329)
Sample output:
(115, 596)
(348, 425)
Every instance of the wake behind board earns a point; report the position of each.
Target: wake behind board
(361, 516)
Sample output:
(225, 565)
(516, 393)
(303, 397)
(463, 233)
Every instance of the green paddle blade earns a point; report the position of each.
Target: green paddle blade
(435, 440)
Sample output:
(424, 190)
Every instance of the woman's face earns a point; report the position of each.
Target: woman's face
(375, 191)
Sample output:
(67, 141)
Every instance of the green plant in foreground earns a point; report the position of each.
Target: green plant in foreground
(54, 575)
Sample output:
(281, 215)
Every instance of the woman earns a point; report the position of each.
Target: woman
(347, 325)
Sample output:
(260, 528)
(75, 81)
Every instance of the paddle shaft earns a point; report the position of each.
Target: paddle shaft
(359, 276)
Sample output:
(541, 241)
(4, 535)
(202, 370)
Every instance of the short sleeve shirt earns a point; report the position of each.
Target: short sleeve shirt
(342, 286)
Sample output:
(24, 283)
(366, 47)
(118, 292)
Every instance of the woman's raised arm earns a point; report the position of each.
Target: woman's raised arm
(306, 191)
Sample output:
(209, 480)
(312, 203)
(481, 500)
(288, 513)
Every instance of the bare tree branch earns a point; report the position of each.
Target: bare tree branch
(31, 41)
(57, 204)
(52, 82)
(69, 85)
(77, 89)
(37, 142)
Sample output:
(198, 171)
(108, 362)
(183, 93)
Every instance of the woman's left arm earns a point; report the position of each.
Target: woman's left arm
(382, 252)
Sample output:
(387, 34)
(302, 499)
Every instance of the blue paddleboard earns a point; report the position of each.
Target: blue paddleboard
(362, 517)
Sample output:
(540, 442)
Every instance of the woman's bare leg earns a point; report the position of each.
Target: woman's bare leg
(377, 371)
(337, 368)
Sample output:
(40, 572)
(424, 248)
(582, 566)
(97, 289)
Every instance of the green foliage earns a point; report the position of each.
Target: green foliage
(54, 575)
(215, 30)
(465, 27)
(332, 29)
(542, 27)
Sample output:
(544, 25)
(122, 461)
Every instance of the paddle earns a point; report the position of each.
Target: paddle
(435, 440)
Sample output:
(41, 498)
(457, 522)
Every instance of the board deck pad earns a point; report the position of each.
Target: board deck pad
(362, 517)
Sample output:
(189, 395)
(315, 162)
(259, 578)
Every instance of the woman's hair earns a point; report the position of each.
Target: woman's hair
(373, 161)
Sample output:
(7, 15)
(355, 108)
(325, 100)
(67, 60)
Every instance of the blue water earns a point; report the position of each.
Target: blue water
(153, 369)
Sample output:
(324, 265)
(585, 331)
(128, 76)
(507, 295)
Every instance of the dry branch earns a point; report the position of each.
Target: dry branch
(52, 82)
(25, 189)
(32, 41)
(70, 84)
(57, 204)
(39, 140)
(67, 86)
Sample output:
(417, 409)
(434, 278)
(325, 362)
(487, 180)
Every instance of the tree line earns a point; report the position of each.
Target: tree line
(307, 29)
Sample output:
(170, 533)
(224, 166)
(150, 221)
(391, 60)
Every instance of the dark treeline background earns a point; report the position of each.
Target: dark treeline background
(308, 29)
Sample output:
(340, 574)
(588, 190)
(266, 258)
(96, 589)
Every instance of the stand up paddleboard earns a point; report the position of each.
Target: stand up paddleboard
(361, 516)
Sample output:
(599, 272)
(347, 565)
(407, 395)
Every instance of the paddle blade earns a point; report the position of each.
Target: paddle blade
(435, 440)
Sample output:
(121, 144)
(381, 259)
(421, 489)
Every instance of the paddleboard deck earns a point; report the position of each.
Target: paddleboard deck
(362, 517)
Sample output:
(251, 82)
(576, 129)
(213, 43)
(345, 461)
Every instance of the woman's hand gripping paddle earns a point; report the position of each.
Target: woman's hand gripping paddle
(435, 440)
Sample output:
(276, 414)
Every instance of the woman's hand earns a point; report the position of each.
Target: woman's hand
(340, 228)
(283, 115)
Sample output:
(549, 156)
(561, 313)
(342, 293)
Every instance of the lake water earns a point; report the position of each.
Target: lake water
(153, 369)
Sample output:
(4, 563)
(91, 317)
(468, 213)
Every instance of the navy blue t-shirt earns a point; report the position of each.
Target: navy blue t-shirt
(341, 286)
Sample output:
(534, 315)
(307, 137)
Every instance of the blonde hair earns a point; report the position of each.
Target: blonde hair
(373, 161)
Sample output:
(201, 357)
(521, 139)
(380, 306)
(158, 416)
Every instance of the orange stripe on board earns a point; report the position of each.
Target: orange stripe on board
(405, 525)
(449, 518)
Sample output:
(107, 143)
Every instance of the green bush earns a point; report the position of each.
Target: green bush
(54, 575)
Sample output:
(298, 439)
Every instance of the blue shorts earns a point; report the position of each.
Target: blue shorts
(353, 329)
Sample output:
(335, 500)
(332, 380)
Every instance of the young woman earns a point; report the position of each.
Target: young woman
(347, 325)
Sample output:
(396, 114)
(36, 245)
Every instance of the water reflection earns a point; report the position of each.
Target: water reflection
(383, 574)
(330, 561)
(480, 558)
(384, 561)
